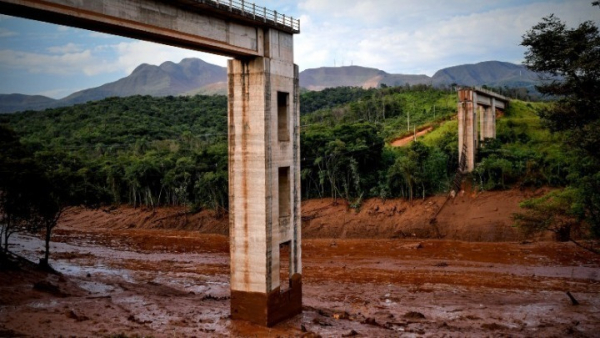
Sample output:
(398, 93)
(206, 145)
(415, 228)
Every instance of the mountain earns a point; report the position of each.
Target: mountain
(355, 76)
(193, 76)
(14, 102)
(167, 79)
(489, 73)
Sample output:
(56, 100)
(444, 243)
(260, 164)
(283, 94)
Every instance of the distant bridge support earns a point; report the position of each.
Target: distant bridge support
(476, 105)
(263, 115)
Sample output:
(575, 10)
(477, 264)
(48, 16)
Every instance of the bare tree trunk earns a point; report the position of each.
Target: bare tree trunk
(47, 253)
(50, 224)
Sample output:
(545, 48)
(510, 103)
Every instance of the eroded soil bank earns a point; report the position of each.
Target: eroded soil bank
(141, 279)
(484, 217)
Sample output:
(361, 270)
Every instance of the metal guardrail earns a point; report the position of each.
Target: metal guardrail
(258, 13)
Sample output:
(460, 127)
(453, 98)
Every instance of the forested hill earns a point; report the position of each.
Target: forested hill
(116, 124)
(173, 150)
(138, 150)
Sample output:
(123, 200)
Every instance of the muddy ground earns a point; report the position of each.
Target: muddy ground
(117, 278)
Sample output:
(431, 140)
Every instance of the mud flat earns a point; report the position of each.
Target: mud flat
(167, 283)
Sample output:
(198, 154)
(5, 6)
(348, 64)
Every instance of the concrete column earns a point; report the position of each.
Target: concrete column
(471, 132)
(264, 183)
(461, 108)
(492, 119)
(467, 126)
(482, 122)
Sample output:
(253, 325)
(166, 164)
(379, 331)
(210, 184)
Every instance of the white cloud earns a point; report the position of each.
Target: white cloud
(65, 49)
(63, 28)
(132, 54)
(70, 59)
(66, 64)
(100, 35)
(57, 93)
(5, 33)
(411, 37)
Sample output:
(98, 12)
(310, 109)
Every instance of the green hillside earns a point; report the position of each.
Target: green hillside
(172, 150)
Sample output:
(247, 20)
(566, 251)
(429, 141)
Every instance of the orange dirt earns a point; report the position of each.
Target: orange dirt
(470, 216)
(124, 272)
(401, 142)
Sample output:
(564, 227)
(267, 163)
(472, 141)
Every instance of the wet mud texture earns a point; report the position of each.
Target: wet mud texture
(167, 283)
(268, 309)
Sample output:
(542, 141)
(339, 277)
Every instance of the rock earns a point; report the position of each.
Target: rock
(48, 287)
(370, 321)
(320, 322)
(310, 335)
(342, 315)
(352, 333)
(71, 314)
(493, 326)
(414, 315)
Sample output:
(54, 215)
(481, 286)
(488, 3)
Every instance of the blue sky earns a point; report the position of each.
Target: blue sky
(398, 36)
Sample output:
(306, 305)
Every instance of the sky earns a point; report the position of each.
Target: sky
(397, 36)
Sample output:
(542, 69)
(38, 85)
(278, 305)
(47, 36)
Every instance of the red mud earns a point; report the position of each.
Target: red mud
(484, 217)
(145, 281)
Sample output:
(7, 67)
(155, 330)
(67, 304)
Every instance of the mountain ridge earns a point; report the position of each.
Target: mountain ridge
(192, 76)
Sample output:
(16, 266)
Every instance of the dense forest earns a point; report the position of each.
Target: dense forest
(151, 151)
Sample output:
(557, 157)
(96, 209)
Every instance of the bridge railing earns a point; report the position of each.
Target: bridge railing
(258, 13)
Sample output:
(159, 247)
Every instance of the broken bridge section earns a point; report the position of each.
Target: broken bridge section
(476, 105)
(263, 118)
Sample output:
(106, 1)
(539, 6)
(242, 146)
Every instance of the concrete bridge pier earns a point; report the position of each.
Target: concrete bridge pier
(476, 104)
(490, 115)
(467, 128)
(264, 184)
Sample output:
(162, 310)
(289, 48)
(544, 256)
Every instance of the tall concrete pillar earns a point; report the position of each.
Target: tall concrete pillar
(488, 121)
(264, 183)
(492, 119)
(467, 127)
(481, 117)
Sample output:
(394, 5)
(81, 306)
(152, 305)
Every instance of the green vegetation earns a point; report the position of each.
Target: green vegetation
(396, 110)
(573, 56)
(148, 151)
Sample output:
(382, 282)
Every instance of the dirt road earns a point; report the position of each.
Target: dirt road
(168, 283)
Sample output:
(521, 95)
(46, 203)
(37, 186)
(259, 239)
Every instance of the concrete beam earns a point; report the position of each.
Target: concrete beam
(167, 22)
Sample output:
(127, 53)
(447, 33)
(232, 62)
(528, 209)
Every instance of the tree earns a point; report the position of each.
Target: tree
(63, 182)
(570, 58)
(19, 178)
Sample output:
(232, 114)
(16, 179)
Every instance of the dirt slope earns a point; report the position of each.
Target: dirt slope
(401, 142)
(482, 216)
